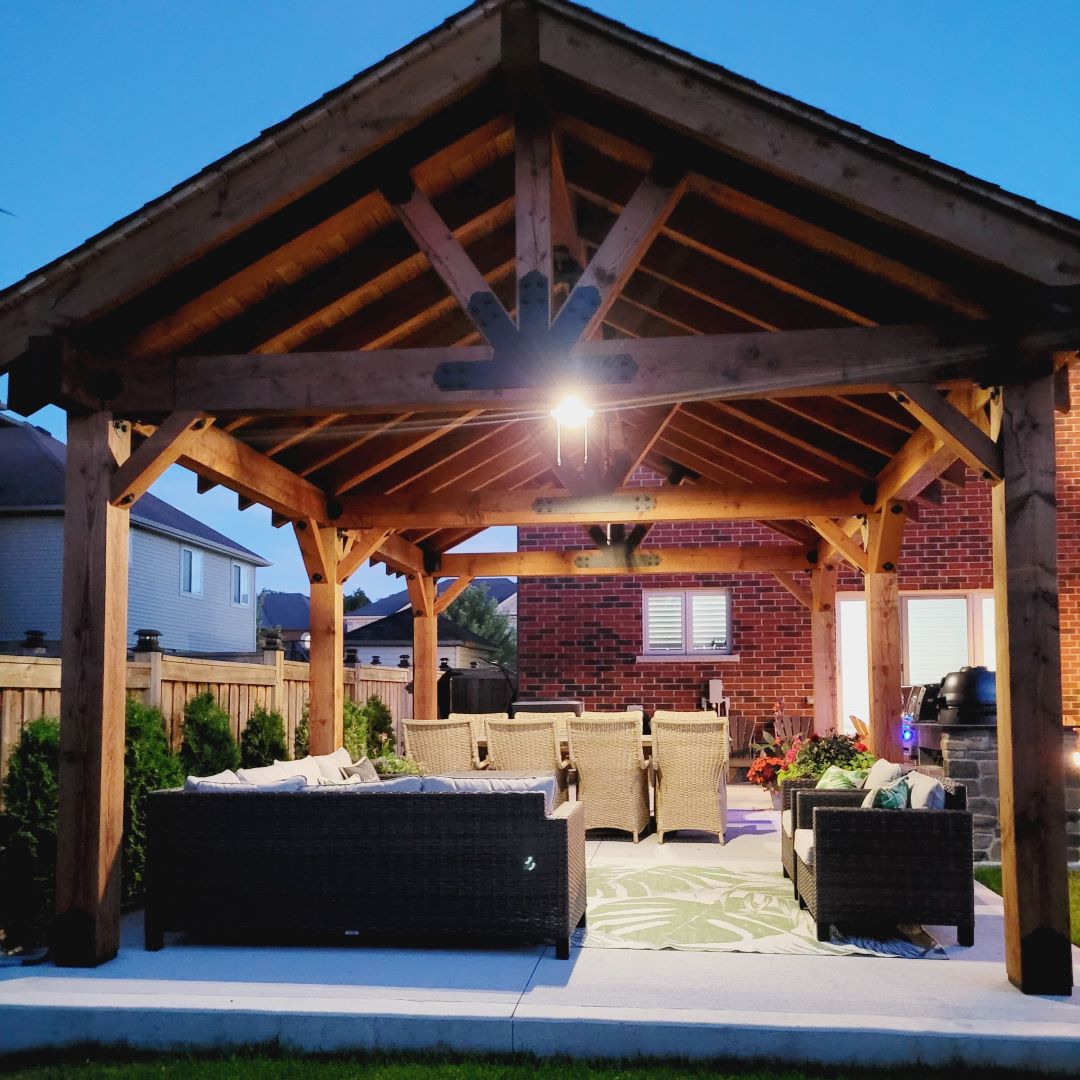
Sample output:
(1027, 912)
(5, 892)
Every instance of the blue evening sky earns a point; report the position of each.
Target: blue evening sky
(104, 104)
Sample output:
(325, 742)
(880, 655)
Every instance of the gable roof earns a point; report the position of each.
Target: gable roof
(290, 611)
(32, 467)
(397, 629)
(500, 589)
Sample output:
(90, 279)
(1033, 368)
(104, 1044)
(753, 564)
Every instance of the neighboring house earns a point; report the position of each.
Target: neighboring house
(289, 612)
(504, 590)
(186, 580)
(659, 639)
(390, 639)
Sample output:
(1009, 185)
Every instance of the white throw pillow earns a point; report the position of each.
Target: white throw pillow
(882, 772)
(306, 767)
(265, 775)
(927, 792)
(339, 781)
(330, 765)
(226, 777)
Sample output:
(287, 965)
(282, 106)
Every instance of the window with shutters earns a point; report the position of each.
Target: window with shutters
(686, 622)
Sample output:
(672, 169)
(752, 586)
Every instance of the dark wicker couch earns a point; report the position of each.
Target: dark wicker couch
(788, 788)
(389, 866)
(887, 867)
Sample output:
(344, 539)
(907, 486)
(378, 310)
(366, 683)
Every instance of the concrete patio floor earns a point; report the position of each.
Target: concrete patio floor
(604, 1003)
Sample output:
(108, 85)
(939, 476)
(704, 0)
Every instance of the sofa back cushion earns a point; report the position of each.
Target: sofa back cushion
(890, 796)
(882, 772)
(265, 775)
(210, 787)
(306, 767)
(488, 784)
(927, 792)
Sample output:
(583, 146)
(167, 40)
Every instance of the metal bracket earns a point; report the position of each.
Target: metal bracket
(615, 557)
(599, 507)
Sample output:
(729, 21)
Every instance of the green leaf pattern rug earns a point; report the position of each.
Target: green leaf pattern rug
(717, 909)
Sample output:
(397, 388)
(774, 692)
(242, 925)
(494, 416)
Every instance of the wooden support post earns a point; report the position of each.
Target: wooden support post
(425, 646)
(823, 646)
(327, 649)
(883, 656)
(92, 692)
(1031, 763)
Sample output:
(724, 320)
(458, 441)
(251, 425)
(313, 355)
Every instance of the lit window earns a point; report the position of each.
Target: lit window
(191, 572)
(682, 622)
(241, 585)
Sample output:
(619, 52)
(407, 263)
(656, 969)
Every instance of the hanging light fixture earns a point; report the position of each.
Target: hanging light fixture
(572, 413)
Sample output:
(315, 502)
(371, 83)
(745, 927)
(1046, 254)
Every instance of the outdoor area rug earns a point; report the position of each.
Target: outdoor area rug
(719, 909)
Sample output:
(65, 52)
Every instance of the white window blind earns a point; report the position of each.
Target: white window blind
(191, 572)
(664, 622)
(241, 593)
(937, 637)
(684, 621)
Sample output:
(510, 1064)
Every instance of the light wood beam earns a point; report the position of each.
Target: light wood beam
(90, 820)
(622, 559)
(883, 655)
(1030, 756)
(327, 667)
(823, 647)
(532, 215)
(157, 453)
(788, 581)
(451, 593)
(399, 554)
(319, 560)
(421, 589)
(847, 547)
(886, 537)
(365, 543)
(948, 424)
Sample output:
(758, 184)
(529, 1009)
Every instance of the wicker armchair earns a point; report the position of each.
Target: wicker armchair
(523, 745)
(561, 719)
(478, 721)
(689, 758)
(613, 776)
(788, 807)
(442, 745)
(886, 867)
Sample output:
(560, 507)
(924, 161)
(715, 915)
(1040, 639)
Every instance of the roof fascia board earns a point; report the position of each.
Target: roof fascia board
(778, 133)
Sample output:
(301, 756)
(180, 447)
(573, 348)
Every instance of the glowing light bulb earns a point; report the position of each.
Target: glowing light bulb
(572, 412)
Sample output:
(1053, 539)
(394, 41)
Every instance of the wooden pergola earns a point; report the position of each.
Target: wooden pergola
(363, 318)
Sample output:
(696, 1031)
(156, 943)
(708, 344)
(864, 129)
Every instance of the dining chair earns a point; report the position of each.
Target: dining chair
(690, 765)
(441, 745)
(478, 721)
(560, 719)
(529, 745)
(612, 773)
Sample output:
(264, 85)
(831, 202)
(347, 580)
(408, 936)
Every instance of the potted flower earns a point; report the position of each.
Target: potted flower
(765, 771)
(809, 757)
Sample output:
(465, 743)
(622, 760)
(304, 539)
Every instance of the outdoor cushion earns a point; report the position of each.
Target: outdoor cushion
(890, 796)
(487, 784)
(882, 772)
(804, 845)
(785, 821)
(263, 775)
(226, 777)
(339, 781)
(927, 792)
(834, 778)
(330, 765)
(290, 783)
(400, 785)
(364, 770)
(306, 767)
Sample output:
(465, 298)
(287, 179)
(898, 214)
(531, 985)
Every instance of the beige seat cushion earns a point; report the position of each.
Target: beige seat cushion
(804, 845)
(785, 821)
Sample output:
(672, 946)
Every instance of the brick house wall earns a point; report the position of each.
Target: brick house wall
(581, 637)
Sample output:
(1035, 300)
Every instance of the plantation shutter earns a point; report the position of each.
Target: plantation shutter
(708, 617)
(937, 637)
(664, 622)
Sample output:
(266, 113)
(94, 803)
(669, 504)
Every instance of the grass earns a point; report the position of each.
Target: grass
(990, 876)
(272, 1063)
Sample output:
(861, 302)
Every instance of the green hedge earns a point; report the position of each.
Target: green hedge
(263, 741)
(209, 746)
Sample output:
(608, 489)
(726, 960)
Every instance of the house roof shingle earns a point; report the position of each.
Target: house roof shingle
(397, 629)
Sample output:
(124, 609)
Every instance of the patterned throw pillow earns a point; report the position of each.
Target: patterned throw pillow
(835, 778)
(890, 796)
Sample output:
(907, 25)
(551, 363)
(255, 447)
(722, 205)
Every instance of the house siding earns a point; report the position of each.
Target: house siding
(31, 573)
(581, 637)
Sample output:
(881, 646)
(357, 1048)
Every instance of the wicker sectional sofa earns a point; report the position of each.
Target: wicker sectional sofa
(385, 866)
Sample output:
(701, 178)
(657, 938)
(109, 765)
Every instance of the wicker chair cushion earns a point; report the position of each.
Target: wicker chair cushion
(804, 845)
(488, 784)
(226, 777)
(882, 772)
(306, 767)
(364, 770)
(266, 775)
(785, 821)
(835, 779)
(891, 796)
(926, 792)
(290, 783)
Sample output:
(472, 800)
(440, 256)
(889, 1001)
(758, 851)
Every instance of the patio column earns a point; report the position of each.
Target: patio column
(425, 646)
(92, 692)
(823, 647)
(327, 663)
(1030, 760)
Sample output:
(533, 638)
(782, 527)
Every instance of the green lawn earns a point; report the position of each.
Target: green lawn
(990, 876)
(269, 1064)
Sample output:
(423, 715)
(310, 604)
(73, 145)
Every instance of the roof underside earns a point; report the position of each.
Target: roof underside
(328, 266)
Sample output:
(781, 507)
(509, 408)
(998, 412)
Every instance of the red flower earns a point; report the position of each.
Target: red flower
(861, 747)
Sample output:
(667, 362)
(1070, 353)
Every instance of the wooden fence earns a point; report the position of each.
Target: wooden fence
(30, 687)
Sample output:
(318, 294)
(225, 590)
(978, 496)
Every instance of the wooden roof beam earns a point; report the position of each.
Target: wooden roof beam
(162, 449)
(843, 543)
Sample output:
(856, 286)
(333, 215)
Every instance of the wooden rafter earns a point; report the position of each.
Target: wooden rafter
(163, 448)
(786, 579)
(832, 532)
(364, 543)
(320, 562)
(451, 593)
